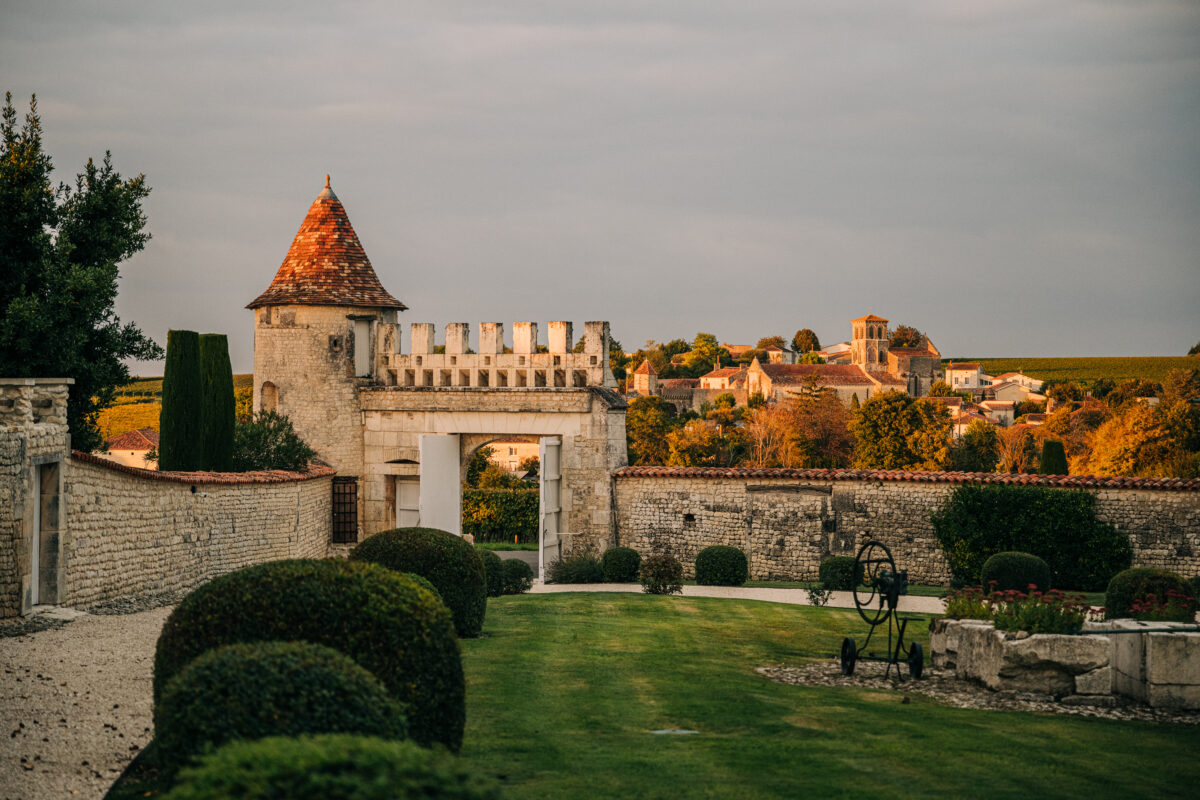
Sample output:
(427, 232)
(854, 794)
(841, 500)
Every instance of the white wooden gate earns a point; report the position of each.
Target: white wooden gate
(550, 503)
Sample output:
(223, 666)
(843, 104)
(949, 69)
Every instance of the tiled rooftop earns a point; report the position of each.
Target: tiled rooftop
(1059, 481)
(326, 265)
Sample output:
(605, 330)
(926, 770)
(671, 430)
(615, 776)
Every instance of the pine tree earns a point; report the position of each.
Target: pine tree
(180, 420)
(217, 405)
(1054, 458)
(60, 253)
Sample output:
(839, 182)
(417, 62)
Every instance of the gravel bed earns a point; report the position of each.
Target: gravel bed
(75, 700)
(943, 687)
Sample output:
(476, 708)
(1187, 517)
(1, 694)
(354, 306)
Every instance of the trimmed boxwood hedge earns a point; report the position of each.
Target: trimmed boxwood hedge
(621, 564)
(576, 568)
(384, 620)
(330, 767)
(449, 562)
(661, 573)
(1137, 582)
(721, 565)
(1013, 569)
(837, 572)
(259, 689)
(493, 569)
(518, 576)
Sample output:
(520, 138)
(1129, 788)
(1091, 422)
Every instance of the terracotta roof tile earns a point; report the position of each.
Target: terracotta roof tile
(829, 374)
(326, 265)
(964, 367)
(869, 318)
(724, 372)
(646, 368)
(315, 470)
(140, 439)
(1060, 481)
(679, 383)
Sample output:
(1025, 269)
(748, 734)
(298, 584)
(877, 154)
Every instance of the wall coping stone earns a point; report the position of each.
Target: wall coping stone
(315, 470)
(915, 476)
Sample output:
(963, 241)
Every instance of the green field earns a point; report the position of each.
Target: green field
(152, 387)
(1154, 368)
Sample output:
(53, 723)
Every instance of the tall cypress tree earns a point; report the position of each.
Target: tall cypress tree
(217, 406)
(1054, 458)
(180, 420)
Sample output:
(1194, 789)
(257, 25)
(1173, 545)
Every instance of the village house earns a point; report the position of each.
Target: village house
(968, 376)
(724, 378)
(131, 447)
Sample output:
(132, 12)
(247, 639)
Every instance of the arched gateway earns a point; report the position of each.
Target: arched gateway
(399, 426)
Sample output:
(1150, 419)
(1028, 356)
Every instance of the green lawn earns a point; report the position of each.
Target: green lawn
(563, 691)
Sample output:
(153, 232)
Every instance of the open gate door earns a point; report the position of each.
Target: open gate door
(549, 505)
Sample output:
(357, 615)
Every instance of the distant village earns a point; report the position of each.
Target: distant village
(855, 370)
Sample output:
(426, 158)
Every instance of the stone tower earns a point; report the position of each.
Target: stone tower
(321, 329)
(869, 343)
(645, 380)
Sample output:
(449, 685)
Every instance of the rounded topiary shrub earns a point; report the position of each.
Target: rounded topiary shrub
(384, 620)
(576, 568)
(250, 691)
(837, 572)
(446, 560)
(1136, 583)
(518, 576)
(1015, 570)
(493, 570)
(661, 573)
(330, 767)
(721, 565)
(621, 564)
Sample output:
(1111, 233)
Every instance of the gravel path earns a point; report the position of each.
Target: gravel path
(74, 703)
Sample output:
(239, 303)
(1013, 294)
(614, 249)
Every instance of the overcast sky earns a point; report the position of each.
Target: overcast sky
(1014, 178)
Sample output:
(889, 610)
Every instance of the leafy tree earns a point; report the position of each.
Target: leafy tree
(1017, 450)
(218, 407)
(748, 356)
(977, 450)
(705, 352)
(767, 341)
(855, 405)
(496, 477)
(700, 443)
(531, 466)
(756, 400)
(1194, 350)
(181, 420)
(59, 256)
(895, 431)
(1130, 390)
(1062, 391)
(647, 423)
(478, 463)
(1181, 385)
(906, 336)
(810, 357)
(805, 341)
(268, 441)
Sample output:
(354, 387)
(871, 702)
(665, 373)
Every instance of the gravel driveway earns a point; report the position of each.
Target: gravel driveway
(75, 704)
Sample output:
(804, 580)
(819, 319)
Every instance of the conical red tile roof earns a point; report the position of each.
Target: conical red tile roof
(326, 265)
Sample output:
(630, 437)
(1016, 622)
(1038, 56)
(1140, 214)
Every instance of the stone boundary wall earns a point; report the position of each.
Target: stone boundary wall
(130, 531)
(788, 520)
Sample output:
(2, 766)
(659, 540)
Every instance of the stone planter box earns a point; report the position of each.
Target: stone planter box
(1159, 669)
(1051, 664)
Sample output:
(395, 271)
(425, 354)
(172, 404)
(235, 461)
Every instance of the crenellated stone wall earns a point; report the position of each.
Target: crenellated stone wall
(788, 521)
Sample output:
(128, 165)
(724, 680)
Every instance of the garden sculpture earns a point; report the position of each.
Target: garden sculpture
(876, 596)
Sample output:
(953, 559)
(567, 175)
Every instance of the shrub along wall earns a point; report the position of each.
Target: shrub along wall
(496, 515)
(787, 521)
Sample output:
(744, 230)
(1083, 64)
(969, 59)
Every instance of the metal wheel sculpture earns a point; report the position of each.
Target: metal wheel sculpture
(876, 597)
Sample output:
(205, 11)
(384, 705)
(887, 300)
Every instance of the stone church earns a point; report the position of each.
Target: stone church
(399, 424)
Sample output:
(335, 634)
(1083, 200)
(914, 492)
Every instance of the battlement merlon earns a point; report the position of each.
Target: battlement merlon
(26, 402)
(491, 367)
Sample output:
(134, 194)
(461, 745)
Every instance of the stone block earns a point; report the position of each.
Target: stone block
(525, 338)
(1098, 681)
(458, 337)
(560, 337)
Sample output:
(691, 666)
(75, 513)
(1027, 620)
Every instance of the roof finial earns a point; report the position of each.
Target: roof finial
(326, 180)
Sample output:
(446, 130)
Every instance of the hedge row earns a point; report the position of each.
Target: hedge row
(497, 515)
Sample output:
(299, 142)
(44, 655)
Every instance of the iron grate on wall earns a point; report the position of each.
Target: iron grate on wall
(345, 510)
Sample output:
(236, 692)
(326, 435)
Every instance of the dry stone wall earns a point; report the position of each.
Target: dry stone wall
(788, 521)
(131, 531)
